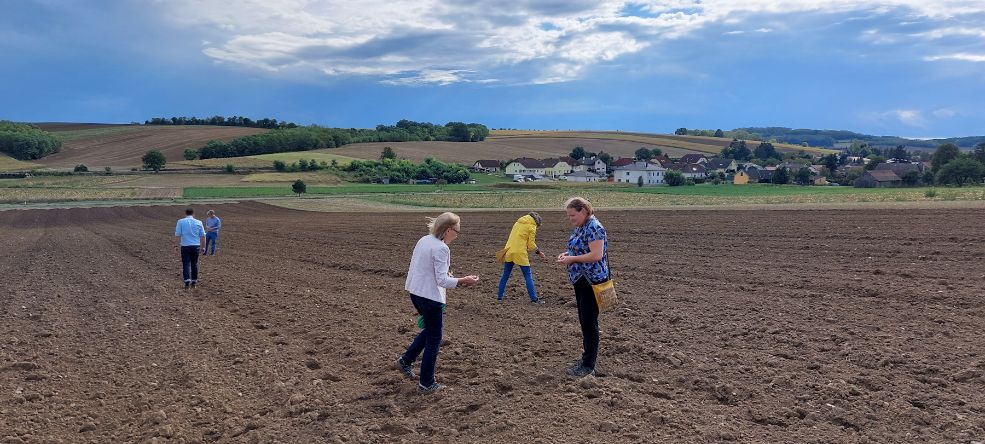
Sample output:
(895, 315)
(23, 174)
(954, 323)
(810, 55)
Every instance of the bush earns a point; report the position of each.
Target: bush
(930, 194)
(154, 160)
(674, 178)
(109, 171)
(191, 154)
(279, 165)
(80, 168)
(27, 142)
(689, 182)
(299, 187)
(230, 168)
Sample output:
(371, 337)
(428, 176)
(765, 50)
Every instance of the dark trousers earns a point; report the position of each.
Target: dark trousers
(189, 263)
(428, 340)
(588, 317)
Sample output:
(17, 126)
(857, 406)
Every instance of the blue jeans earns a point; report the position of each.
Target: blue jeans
(527, 276)
(211, 239)
(428, 340)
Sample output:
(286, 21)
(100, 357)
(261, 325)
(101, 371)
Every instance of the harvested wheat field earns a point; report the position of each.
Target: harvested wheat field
(122, 146)
(749, 326)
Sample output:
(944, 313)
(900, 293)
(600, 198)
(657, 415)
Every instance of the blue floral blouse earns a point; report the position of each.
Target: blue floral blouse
(581, 237)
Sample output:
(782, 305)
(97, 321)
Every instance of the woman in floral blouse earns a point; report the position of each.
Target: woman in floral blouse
(587, 265)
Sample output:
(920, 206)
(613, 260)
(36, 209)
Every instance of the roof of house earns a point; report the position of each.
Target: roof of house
(761, 174)
(488, 163)
(688, 168)
(640, 166)
(582, 173)
(623, 161)
(883, 175)
(719, 163)
(538, 163)
(692, 158)
(899, 168)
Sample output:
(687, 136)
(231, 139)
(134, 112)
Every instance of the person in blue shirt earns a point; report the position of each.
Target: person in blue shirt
(189, 235)
(587, 265)
(212, 226)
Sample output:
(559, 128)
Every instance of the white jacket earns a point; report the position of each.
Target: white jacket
(428, 274)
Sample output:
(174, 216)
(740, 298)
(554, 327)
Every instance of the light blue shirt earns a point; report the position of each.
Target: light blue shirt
(190, 230)
(214, 222)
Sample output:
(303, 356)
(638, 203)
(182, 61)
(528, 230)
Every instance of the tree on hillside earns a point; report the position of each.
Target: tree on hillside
(606, 158)
(299, 187)
(154, 160)
(279, 165)
(961, 171)
(674, 178)
(719, 133)
(191, 154)
(737, 150)
(804, 176)
(874, 161)
(944, 154)
(681, 131)
(657, 152)
(781, 176)
(980, 152)
(765, 151)
(830, 162)
(388, 153)
(899, 154)
(644, 154)
(577, 153)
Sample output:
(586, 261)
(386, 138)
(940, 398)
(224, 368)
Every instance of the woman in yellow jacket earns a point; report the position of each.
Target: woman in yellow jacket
(521, 242)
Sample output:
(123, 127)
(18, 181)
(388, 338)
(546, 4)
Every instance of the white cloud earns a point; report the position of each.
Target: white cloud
(961, 56)
(410, 42)
(944, 113)
(909, 117)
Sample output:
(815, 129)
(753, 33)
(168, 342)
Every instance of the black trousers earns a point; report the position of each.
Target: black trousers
(588, 317)
(189, 263)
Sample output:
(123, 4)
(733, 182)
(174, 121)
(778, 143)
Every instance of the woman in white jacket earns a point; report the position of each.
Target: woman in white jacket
(427, 279)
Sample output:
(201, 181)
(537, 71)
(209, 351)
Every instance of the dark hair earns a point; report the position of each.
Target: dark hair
(189, 211)
(536, 217)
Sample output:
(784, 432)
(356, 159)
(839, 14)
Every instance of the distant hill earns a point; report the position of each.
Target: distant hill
(842, 139)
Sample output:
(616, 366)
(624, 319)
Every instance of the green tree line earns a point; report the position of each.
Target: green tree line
(403, 171)
(27, 142)
(315, 137)
(221, 121)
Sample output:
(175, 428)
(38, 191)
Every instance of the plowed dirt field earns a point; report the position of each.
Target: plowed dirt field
(749, 326)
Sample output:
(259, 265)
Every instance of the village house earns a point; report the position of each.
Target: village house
(878, 179)
(652, 174)
(623, 161)
(721, 165)
(485, 166)
(583, 176)
(526, 166)
(590, 164)
(741, 178)
(690, 170)
(693, 158)
(900, 169)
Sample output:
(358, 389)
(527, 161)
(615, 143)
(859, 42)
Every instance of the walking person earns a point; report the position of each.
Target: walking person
(521, 242)
(212, 226)
(587, 264)
(427, 279)
(189, 235)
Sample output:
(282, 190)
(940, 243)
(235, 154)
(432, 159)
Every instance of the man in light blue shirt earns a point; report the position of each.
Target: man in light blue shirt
(189, 235)
(212, 226)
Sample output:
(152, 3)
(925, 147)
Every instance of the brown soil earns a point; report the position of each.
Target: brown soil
(749, 326)
(125, 148)
(498, 148)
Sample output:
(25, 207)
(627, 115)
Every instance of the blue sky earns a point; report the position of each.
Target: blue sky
(912, 68)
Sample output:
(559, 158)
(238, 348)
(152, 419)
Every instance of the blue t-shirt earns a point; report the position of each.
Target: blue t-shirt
(214, 222)
(190, 230)
(578, 243)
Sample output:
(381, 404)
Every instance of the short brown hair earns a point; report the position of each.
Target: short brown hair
(579, 204)
(437, 226)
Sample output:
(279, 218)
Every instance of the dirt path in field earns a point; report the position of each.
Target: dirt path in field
(748, 326)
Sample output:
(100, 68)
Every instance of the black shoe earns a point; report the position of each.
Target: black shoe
(429, 389)
(580, 371)
(187, 284)
(405, 368)
(193, 284)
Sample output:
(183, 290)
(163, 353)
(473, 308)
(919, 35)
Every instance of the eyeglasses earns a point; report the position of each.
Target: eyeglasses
(455, 230)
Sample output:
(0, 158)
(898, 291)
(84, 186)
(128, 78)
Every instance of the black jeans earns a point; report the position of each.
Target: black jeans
(428, 340)
(189, 263)
(588, 317)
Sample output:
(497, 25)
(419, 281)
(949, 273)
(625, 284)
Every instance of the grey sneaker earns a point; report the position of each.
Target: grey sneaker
(404, 368)
(429, 389)
(580, 371)
(538, 302)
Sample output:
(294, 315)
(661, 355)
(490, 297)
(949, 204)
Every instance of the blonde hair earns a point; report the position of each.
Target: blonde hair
(437, 226)
(579, 204)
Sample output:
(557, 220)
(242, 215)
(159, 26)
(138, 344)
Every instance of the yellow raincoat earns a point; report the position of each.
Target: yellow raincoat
(521, 242)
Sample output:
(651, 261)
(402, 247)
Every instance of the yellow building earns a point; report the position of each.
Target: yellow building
(741, 178)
